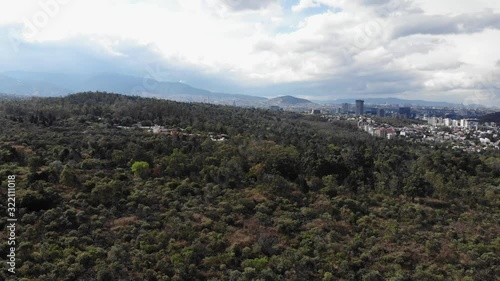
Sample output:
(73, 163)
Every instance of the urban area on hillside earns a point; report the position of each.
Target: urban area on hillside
(458, 126)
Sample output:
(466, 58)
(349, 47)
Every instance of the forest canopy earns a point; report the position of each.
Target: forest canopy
(228, 193)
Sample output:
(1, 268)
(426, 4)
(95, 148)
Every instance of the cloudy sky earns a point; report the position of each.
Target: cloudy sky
(319, 49)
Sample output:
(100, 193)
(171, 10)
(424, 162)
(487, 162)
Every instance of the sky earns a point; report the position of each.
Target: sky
(318, 49)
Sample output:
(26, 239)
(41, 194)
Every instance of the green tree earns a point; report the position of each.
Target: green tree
(34, 162)
(140, 168)
(68, 177)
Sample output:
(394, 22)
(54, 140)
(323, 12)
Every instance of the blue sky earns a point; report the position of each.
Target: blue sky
(318, 49)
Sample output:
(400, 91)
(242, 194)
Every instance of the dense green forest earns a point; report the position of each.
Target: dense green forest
(492, 117)
(283, 197)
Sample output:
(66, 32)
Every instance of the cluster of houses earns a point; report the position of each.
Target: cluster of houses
(369, 126)
(156, 129)
(448, 122)
(467, 135)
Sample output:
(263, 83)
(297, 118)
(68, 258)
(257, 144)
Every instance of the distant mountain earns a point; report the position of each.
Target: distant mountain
(30, 88)
(392, 101)
(132, 85)
(49, 84)
(289, 101)
(64, 80)
(9, 97)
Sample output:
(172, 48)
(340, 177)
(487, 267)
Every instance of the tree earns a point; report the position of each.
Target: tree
(416, 186)
(68, 177)
(34, 162)
(140, 169)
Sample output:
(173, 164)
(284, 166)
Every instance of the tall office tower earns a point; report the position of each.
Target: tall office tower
(381, 112)
(345, 108)
(359, 107)
(404, 112)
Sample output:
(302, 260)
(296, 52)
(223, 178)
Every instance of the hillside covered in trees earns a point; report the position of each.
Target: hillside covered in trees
(492, 117)
(282, 196)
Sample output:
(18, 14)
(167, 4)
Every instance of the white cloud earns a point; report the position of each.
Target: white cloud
(453, 7)
(441, 24)
(305, 4)
(357, 47)
(242, 5)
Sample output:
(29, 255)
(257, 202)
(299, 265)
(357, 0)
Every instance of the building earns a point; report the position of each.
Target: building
(381, 112)
(391, 136)
(381, 132)
(345, 108)
(448, 122)
(315, 111)
(469, 123)
(404, 112)
(371, 111)
(275, 108)
(436, 121)
(359, 107)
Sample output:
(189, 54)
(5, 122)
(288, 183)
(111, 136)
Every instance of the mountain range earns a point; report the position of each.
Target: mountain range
(16, 86)
(10, 97)
(289, 101)
(56, 84)
(49, 84)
